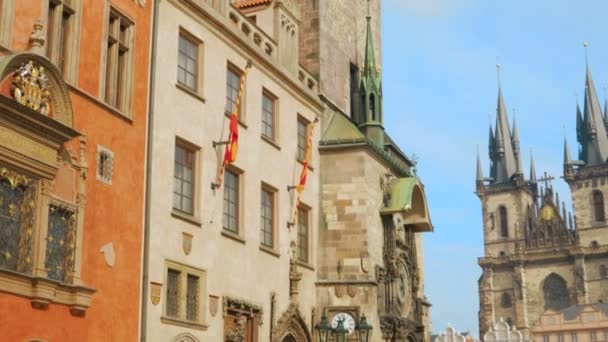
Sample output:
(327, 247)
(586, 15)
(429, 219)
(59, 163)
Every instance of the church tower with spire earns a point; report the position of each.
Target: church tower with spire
(521, 221)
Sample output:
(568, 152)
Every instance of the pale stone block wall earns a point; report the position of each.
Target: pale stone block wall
(582, 201)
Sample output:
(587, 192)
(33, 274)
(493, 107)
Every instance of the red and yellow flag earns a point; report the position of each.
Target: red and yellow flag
(302, 184)
(232, 148)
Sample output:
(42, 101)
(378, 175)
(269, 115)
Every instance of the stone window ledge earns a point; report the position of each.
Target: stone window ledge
(183, 323)
(232, 236)
(190, 92)
(305, 265)
(241, 122)
(42, 291)
(270, 251)
(186, 217)
(271, 142)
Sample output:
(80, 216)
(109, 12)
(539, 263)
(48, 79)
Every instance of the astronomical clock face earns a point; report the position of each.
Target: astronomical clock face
(347, 319)
(547, 213)
(404, 289)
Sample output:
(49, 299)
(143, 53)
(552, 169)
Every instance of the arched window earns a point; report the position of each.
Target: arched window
(598, 206)
(505, 301)
(555, 292)
(504, 223)
(289, 338)
(372, 107)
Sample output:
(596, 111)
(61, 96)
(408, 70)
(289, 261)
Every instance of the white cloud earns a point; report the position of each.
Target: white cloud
(428, 8)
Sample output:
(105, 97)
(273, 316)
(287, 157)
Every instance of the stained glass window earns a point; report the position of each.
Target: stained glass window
(555, 292)
(17, 210)
(60, 244)
(10, 222)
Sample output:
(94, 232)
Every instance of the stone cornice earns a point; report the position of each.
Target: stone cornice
(543, 256)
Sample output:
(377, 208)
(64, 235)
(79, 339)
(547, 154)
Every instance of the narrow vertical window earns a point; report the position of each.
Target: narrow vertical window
(118, 63)
(59, 31)
(105, 164)
(231, 202)
(603, 271)
(573, 337)
(183, 178)
(504, 223)
(302, 138)
(172, 305)
(598, 206)
(192, 297)
(233, 80)
(593, 335)
(267, 218)
(560, 338)
(303, 235)
(354, 90)
(268, 115)
(546, 338)
(187, 61)
(61, 244)
(372, 107)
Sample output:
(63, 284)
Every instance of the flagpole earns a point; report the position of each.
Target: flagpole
(231, 149)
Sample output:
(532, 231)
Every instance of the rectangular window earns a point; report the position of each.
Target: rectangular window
(302, 138)
(267, 218)
(233, 83)
(560, 338)
(192, 298)
(268, 115)
(118, 62)
(593, 335)
(61, 240)
(187, 61)
(183, 178)
(105, 164)
(184, 293)
(172, 293)
(231, 202)
(59, 32)
(573, 337)
(303, 235)
(545, 338)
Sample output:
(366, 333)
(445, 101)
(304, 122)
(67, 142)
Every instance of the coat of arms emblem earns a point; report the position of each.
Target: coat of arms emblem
(30, 87)
(187, 243)
(213, 305)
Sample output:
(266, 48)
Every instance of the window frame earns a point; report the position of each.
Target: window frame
(238, 234)
(266, 94)
(181, 320)
(198, 61)
(304, 121)
(598, 196)
(121, 95)
(62, 45)
(267, 188)
(503, 221)
(103, 178)
(7, 9)
(303, 208)
(195, 150)
(242, 110)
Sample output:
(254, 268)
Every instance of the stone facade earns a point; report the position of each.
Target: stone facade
(537, 255)
(249, 291)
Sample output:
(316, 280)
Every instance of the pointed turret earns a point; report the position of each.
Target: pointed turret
(504, 162)
(515, 139)
(370, 92)
(532, 170)
(581, 132)
(594, 140)
(479, 178)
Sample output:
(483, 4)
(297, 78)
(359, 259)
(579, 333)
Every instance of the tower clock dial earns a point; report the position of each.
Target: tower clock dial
(347, 319)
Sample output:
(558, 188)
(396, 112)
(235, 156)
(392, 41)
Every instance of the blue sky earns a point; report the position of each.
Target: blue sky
(439, 66)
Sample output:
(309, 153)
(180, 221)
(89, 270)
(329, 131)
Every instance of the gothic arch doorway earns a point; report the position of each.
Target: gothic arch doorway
(289, 338)
(291, 327)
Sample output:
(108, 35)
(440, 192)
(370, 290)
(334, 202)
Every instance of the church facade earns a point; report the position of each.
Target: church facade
(537, 255)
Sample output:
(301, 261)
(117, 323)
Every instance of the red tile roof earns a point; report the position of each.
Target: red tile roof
(250, 3)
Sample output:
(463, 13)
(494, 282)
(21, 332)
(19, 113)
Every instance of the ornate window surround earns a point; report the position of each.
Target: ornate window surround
(33, 145)
(70, 72)
(6, 22)
(201, 323)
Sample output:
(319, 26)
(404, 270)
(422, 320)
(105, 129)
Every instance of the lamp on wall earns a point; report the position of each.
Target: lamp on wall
(364, 330)
(339, 333)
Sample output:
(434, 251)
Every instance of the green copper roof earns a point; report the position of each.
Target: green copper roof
(340, 128)
(407, 197)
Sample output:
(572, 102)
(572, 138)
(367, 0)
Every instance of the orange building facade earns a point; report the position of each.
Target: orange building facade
(73, 116)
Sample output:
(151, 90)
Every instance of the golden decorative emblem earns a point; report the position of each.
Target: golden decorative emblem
(30, 87)
(155, 289)
(547, 213)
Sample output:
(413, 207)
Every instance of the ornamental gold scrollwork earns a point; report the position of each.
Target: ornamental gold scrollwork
(14, 178)
(30, 87)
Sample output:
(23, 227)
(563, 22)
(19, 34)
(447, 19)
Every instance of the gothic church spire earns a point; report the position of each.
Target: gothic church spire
(370, 91)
